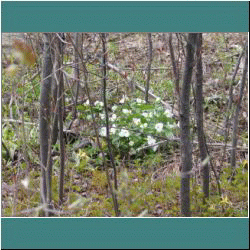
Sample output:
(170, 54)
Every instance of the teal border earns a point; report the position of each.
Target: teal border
(193, 16)
(80, 233)
(125, 233)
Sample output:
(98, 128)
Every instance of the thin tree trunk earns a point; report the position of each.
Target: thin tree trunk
(54, 109)
(230, 101)
(175, 67)
(76, 71)
(59, 52)
(199, 118)
(186, 147)
(149, 65)
(103, 36)
(45, 120)
(237, 112)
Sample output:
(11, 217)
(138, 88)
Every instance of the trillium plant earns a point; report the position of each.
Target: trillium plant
(135, 125)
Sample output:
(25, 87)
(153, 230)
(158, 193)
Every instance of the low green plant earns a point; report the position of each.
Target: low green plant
(135, 125)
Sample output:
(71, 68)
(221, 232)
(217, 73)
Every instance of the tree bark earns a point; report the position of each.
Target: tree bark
(76, 85)
(199, 118)
(60, 98)
(175, 67)
(107, 119)
(237, 112)
(186, 147)
(45, 120)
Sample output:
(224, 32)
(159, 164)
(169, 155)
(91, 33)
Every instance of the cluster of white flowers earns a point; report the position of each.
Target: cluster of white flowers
(149, 118)
(159, 127)
(126, 111)
(136, 121)
(138, 100)
(124, 133)
(98, 103)
(103, 130)
(87, 103)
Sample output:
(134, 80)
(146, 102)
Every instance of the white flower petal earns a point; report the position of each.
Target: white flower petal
(136, 121)
(159, 127)
(25, 182)
(103, 131)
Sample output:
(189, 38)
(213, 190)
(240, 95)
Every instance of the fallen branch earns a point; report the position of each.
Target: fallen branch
(239, 148)
(18, 121)
(124, 74)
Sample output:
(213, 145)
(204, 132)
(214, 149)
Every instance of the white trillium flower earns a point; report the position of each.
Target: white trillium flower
(103, 131)
(136, 121)
(89, 117)
(124, 133)
(102, 116)
(126, 111)
(151, 140)
(25, 182)
(114, 108)
(168, 113)
(138, 100)
(131, 143)
(87, 103)
(112, 130)
(145, 114)
(159, 127)
(99, 103)
(113, 117)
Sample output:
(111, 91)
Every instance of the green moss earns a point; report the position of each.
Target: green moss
(99, 180)
(76, 188)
